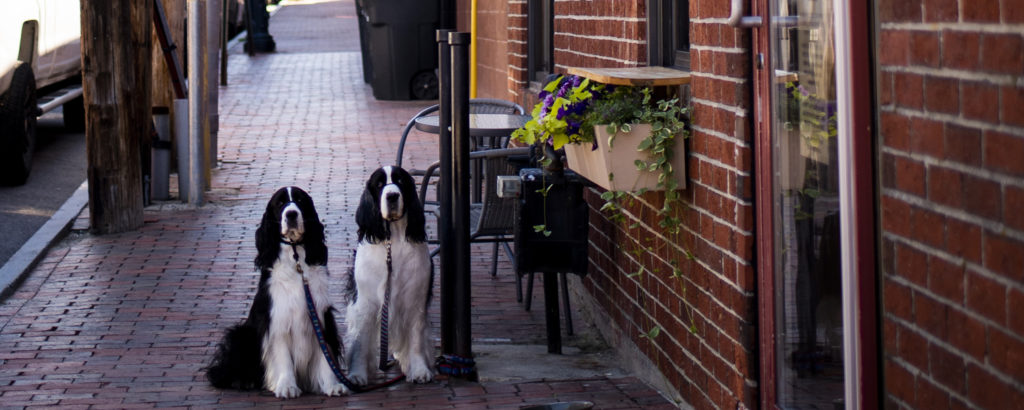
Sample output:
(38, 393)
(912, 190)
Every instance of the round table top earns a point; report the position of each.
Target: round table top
(480, 125)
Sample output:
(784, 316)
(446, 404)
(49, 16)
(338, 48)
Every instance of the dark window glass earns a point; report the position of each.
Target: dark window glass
(540, 44)
(668, 35)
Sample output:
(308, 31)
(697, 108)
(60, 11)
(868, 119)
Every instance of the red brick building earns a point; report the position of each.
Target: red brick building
(854, 221)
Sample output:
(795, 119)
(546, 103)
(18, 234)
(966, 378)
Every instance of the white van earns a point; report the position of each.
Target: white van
(40, 53)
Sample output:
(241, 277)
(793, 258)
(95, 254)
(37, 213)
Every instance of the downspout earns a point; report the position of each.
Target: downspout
(472, 49)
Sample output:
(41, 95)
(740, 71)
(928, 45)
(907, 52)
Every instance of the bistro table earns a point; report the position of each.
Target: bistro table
(480, 126)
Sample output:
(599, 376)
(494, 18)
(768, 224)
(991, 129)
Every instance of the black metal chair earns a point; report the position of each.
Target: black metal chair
(491, 220)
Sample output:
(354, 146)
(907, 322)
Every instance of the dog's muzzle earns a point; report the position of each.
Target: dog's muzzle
(291, 223)
(391, 203)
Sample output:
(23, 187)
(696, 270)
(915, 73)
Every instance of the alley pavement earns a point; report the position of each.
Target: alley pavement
(129, 320)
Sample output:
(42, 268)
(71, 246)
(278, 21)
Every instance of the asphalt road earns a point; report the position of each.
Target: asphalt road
(58, 169)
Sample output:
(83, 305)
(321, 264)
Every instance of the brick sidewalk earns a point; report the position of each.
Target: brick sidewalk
(129, 320)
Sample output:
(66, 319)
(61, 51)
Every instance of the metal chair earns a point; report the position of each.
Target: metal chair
(476, 106)
(491, 220)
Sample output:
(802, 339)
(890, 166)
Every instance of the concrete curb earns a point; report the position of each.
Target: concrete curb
(22, 262)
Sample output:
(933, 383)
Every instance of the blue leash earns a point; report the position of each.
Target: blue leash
(318, 329)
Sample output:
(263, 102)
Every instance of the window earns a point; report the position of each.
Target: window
(668, 33)
(540, 45)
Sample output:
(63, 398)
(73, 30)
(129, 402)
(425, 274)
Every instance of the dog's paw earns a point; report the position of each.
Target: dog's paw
(419, 374)
(335, 389)
(287, 391)
(358, 378)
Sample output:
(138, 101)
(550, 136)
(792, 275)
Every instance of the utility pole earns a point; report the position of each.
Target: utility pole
(117, 90)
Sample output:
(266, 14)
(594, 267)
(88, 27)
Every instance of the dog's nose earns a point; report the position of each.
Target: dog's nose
(391, 197)
(291, 215)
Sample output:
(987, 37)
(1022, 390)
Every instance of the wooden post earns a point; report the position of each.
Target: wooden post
(163, 91)
(116, 83)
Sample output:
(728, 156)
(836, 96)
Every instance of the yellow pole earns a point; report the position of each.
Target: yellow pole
(472, 49)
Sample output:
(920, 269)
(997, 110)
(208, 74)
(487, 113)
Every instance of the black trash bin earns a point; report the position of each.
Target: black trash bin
(563, 251)
(397, 38)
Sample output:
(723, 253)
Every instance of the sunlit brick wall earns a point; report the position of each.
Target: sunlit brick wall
(494, 18)
(951, 119)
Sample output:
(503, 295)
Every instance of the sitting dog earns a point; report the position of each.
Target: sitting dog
(276, 347)
(392, 237)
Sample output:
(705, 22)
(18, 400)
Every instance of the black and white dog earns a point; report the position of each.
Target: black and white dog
(390, 216)
(276, 347)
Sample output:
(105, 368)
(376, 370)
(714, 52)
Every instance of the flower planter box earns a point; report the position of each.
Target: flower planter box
(613, 168)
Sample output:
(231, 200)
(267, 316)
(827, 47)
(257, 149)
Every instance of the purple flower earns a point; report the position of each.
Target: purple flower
(546, 108)
(573, 127)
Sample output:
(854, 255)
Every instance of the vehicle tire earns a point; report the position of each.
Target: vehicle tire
(424, 85)
(18, 112)
(74, 115)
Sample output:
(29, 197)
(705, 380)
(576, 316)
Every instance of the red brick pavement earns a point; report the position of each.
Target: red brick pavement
(129, 320)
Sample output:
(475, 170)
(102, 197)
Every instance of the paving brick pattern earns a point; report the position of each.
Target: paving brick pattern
(129, 320)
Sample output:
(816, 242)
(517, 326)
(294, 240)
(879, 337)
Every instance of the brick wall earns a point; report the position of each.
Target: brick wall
(951, 127)
(492, 45)
(715, 365)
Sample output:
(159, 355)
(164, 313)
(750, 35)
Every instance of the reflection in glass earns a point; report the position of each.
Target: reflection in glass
(808, 309)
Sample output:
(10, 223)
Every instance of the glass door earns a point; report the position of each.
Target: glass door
(808, 291)
(814, 210)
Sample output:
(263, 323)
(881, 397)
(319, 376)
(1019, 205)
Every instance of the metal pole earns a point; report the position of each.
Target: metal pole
(444, 191)
(225, 11)
(181, 145)
(161, 154)
(210, 69)
(460, 43)
(195, 97)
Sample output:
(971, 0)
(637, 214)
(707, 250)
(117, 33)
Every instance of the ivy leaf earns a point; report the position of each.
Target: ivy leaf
(653, 333)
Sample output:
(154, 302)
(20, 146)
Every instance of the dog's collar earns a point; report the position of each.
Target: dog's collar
(288, 242)
(295, 253)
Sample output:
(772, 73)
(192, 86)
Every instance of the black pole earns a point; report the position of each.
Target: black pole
(551, 312)
(460, 194)
(259, 39)
(444, 191)
(447, 15)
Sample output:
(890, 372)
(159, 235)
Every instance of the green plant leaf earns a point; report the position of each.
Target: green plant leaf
(653, 333)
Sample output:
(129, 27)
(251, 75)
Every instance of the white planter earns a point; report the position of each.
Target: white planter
(613, 168)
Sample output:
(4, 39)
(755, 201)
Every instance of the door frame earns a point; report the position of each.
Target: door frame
(855, 88)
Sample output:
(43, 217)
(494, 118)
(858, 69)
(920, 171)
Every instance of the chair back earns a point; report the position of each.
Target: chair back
(497, 215)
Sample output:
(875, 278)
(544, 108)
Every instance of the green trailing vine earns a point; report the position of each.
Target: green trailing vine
(569, 110)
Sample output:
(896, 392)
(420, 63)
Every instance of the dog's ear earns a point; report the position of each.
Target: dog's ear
(416, 231)
(268, 238)
(368, 218)
(313, 239)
